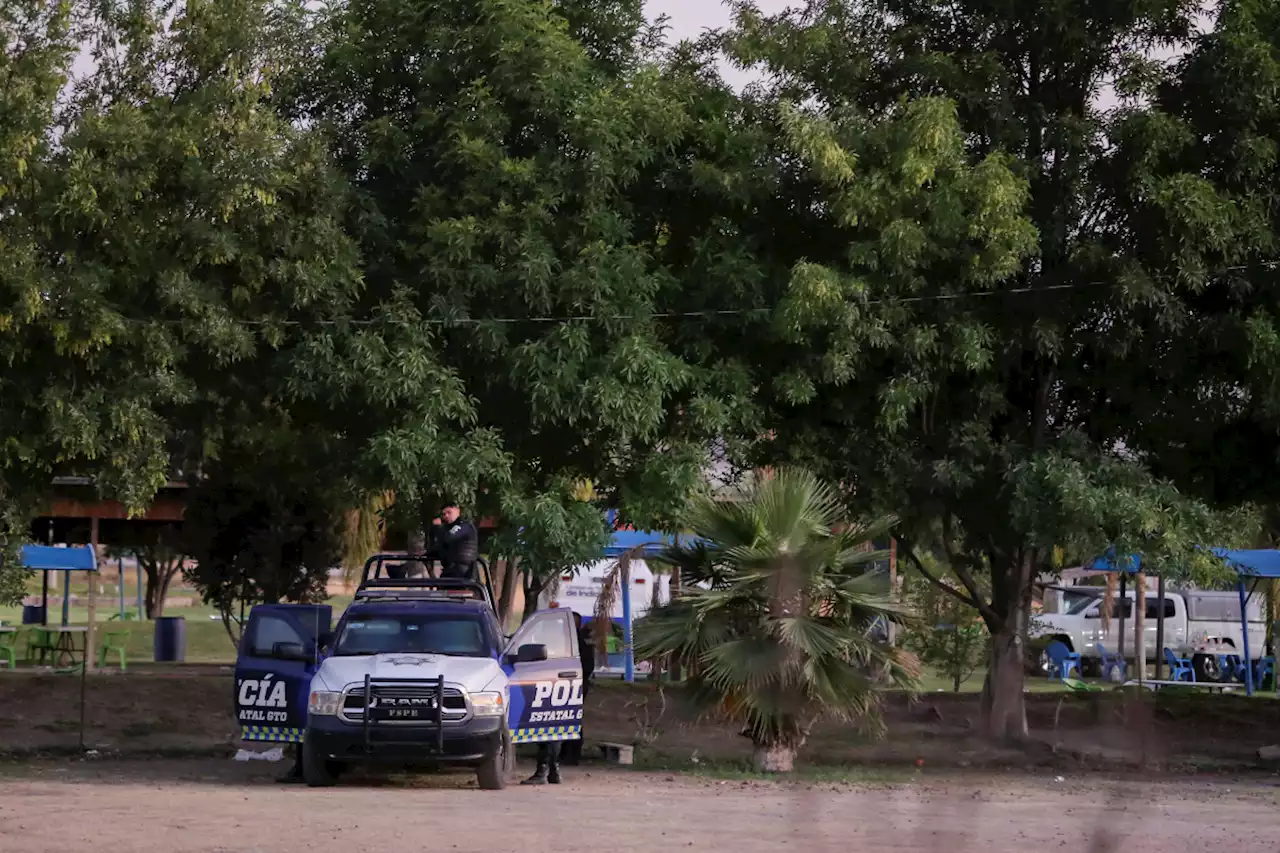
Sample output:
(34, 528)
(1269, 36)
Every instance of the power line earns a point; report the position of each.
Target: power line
(683, 315)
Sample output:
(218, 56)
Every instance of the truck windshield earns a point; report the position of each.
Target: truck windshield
(462, 636)
(1081, 605)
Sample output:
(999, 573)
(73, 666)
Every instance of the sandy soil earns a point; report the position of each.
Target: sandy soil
(202, 807)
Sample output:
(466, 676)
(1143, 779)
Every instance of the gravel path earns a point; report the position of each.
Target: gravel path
(202, 807)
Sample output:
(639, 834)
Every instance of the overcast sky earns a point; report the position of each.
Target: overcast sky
(690, 18)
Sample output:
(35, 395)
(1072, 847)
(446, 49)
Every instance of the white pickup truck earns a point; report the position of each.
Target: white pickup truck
(1193, 619)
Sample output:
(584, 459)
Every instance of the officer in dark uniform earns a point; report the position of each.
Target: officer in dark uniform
(454, 542)
(548, 769)
(571, 754)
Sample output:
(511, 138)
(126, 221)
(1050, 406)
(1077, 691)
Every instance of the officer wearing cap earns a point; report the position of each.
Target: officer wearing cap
(454, 542)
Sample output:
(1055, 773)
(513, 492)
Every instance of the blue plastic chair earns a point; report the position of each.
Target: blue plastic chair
(1062, 660)
(1110, 661)
(1262, 667)
(1179, 667)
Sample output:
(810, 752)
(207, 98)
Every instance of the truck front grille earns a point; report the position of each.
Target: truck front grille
(455, 704)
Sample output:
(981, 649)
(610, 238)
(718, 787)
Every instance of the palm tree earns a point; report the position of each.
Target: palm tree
(773, 622)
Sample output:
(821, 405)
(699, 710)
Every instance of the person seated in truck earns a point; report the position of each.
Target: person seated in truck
(455, 543)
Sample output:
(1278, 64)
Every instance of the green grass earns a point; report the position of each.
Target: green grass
(930, 682)
(207, 640)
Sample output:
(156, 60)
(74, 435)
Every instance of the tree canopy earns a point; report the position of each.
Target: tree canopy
(1002, 270)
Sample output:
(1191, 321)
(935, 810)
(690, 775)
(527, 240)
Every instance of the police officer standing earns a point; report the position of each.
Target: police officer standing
(572, 752)
(548, 769)
(454, 542)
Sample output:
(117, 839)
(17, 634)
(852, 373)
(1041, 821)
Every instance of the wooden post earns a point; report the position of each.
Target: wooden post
(1140, 625)
(1124, 577)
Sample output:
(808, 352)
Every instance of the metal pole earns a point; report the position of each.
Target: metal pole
(120, 584)
(142, 608)
(1244, 624)
(1123, 604)
(1159, 626)
(66, 598)
(628, 654)
(93, 577)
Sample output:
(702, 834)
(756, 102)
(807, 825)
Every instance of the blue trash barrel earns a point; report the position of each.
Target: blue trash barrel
(32, 614)
(171, 639)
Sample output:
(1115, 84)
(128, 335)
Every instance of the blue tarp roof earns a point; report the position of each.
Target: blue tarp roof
(624, 540)
(1255, 564)
(1260, 563)
(46, 558)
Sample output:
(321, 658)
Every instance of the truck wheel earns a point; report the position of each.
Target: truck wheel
(317, 771)
(492, 774)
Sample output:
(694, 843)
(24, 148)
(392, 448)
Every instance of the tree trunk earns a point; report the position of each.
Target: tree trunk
(507, 595)
(533, 589)
(417, 545)
(159, 572)
(774, 758)
(1004, 710)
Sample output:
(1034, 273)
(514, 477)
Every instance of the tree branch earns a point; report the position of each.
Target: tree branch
(933, 579)
(974, 600)
(965, 576)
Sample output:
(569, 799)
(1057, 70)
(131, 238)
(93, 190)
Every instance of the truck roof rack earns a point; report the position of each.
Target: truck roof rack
(422, 589)
(375, 583)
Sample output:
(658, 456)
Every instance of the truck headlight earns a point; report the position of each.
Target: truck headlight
(488, 705)
(323, 703)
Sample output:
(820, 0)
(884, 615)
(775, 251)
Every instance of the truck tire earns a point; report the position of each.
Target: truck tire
(491, 775)
(317, 771)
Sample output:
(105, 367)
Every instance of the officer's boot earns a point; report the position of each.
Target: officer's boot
(553, 765)
(539, 776)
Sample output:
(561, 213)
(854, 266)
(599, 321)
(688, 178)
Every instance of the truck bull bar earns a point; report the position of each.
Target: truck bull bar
(370, 724)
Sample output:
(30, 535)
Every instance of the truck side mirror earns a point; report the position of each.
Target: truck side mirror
(289, 651)
(530, 653)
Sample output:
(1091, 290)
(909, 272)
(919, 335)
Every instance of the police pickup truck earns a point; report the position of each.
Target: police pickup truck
(417, 673)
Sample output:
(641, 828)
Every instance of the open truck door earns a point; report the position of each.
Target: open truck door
(279, 652)
(545, 677)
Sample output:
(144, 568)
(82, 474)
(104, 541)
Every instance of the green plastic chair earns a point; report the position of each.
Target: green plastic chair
(1081, 686)
(118, 642)
(9, 648)
(40, 640)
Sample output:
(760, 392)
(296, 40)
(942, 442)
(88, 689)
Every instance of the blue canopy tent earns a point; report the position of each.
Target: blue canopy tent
(47, 558)
(1257, 564)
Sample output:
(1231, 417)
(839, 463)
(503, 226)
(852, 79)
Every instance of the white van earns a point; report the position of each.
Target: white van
(580, 591)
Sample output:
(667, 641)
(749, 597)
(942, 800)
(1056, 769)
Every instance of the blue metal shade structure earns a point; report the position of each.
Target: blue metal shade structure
(650, 543)
(47, 558)
(1251, 563)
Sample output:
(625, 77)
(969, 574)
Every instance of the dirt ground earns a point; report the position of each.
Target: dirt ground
(1101, 766)
(207, 806)
(185, 711)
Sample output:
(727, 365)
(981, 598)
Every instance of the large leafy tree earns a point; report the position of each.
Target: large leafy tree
(169, 238)
(262, 528)
(1197, 181)
(942, 385)
(506, 345)
(36, 46)
(782, 637)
